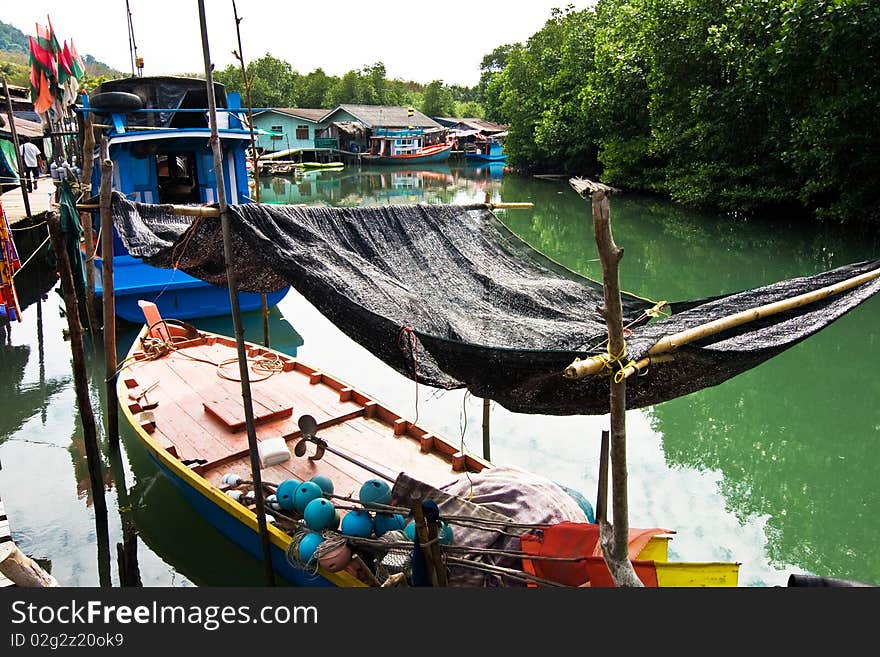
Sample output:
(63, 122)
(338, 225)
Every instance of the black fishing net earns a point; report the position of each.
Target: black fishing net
(447, 295)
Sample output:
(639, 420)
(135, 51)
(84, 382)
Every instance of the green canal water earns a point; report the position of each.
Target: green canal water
(775, 469)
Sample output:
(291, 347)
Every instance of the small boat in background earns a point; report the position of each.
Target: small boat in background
(490, 151)
(323, 165)
(157, 132)
(407, 146)
(350, 514)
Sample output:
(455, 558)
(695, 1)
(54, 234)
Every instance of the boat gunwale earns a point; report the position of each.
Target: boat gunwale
(195, 477)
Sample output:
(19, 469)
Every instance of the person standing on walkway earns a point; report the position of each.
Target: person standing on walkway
(30, 154)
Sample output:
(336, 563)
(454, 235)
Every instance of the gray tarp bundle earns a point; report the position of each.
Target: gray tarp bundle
(489, 312)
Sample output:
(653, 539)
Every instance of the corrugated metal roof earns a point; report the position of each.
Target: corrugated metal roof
(390, 116)
(309, 114)
(482, 125)
(23, 127)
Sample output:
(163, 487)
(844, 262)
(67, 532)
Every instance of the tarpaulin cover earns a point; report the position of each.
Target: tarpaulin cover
(166, 92)
(487, 311)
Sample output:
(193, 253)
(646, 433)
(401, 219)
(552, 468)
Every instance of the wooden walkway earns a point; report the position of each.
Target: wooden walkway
(40, 200)
(5, 536)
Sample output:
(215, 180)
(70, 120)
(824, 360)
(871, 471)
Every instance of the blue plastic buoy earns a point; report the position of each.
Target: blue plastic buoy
(319, 514)
(305, 493)
(375, 491)
(386, 522)
(410, 530)
(324, 482)
(445, 534)
(307, 546)
(357, 523)
(285, 493)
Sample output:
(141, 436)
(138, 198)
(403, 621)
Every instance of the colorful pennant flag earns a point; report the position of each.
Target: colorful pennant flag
(55, 71)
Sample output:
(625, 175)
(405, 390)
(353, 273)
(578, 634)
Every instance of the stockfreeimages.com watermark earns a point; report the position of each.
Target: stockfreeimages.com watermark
(209, 617)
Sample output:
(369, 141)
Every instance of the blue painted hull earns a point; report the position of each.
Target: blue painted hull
(178, 295)
(239, 533)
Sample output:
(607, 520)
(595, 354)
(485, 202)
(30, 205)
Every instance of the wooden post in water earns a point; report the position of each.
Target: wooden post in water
(88, 151)
(236, 311)
(108, 294)
(21, 173)
(21, 570)
(256, 157)
(487, 438)
(81, 385)
(614, 539)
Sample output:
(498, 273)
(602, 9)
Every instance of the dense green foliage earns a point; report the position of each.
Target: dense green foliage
(741, 106)
(274, 83)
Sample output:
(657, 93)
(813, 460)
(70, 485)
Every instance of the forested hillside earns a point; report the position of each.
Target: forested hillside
(745, 106)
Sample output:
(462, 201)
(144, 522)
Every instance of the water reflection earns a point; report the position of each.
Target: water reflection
(360, 186)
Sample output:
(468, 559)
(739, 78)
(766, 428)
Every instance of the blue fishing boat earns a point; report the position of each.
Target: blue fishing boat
(158, 137)
(491, 151)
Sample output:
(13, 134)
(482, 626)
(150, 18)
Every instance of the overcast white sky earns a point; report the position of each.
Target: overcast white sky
(416, 40)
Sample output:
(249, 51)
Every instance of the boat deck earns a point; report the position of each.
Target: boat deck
(199, 418)
(5, 536)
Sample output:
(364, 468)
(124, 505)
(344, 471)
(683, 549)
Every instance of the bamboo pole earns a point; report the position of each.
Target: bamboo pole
(108, 295)
(214, 213)
(668, 344)
(21, 172)
(264, 305)
(613, 538)
(233, 298)
(81, 385)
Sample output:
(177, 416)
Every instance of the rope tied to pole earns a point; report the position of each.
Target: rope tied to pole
(615, 364)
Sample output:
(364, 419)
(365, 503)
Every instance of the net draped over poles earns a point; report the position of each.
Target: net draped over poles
(489, 312)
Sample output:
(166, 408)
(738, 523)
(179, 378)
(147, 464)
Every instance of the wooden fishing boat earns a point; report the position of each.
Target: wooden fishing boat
(161, 154)
(491, 151)
(405, 147)
(179, 390)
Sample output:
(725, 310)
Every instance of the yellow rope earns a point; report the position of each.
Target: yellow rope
(614, 364)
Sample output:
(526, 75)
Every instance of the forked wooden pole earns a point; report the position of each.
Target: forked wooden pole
(236, 311)
(614, 538)
(88, 152)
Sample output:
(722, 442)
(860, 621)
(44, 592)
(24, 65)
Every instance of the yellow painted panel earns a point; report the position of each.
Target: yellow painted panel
(657, 549)
(689, 574)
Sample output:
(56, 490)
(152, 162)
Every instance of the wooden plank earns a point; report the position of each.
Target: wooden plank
(5, 537)
(40, 200)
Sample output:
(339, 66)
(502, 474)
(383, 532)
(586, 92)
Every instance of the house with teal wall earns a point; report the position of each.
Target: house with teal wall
(288, 128)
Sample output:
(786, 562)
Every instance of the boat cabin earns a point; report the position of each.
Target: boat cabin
(158, 136)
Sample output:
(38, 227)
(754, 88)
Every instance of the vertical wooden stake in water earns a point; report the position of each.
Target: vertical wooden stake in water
(108, 293)
(486, 410)
(81, 385)
(10, 116)
(88, 151)
(616, 546)
(256, 157)
(486, 437)
(602, 492)
(233, 299)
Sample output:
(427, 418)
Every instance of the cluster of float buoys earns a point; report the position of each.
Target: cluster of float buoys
(310, 500)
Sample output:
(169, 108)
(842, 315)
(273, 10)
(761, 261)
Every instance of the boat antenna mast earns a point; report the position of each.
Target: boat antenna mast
(137, 63)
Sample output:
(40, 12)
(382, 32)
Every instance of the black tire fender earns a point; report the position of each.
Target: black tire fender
(116, 101)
